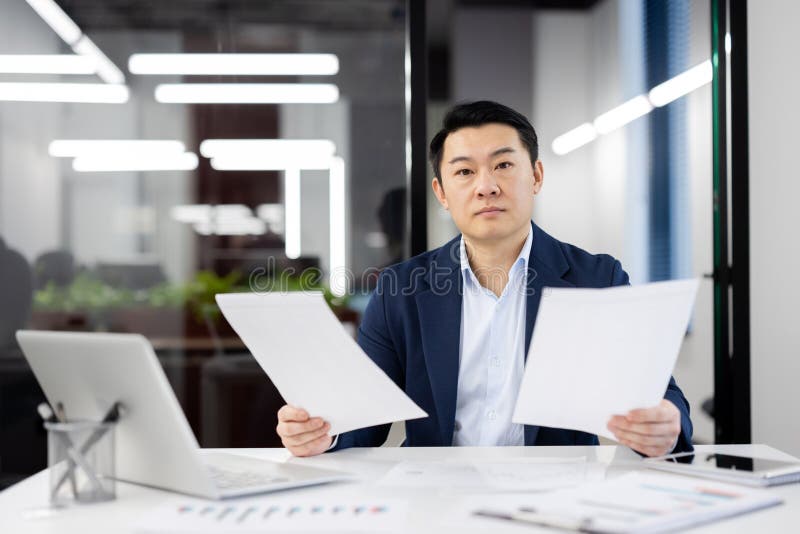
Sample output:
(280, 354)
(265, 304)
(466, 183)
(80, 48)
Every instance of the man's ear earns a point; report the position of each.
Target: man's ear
(538, 176)
(438, 190)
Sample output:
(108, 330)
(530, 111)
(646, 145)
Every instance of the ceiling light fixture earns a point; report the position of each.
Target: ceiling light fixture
(45, 64)
(682, 84)
(72, 148)
(575, 138)
(71, 34)
(86, 93)
(247, 93)
(234, 64)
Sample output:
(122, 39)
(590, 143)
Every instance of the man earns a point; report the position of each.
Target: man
(452, 326)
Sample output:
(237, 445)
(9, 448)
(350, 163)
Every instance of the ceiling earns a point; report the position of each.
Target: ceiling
(211, 14)
(330, 14)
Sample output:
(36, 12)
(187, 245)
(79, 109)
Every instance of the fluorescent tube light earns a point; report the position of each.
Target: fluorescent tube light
(623, 114)
(575, 138)
(88, 93)
(149, 163)
(291, 199)
(247, 93)
(338, 213)
(273, 215)
(256, 162)
(231, 212)
(191, 213)
(105, 68)
(71, 148)
(234, 64)
(682, 84)
(45, 64)
(55, 17)
(251, 226)
(267, 148)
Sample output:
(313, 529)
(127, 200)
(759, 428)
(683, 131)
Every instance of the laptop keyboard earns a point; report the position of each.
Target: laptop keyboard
(230, 479)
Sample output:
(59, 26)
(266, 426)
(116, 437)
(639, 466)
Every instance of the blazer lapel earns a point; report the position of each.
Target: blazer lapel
(546, 266)
(439, 308)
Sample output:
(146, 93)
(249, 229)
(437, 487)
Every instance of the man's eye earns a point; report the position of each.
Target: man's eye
(463, 172)
(504, 165)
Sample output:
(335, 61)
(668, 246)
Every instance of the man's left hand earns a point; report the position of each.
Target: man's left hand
(650, 431)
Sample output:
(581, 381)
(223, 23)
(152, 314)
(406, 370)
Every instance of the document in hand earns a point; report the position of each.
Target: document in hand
(313, 361)
(595, 353)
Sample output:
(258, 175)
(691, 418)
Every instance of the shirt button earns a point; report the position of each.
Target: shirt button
(491, 414)
(457, 426)
(495, 361)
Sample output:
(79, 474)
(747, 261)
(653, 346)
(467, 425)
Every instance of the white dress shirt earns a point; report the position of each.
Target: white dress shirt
(491, 356)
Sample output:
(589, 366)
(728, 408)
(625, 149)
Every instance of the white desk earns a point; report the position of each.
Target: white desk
(426, 505)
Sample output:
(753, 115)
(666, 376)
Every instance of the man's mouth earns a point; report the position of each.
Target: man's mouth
(489, 209)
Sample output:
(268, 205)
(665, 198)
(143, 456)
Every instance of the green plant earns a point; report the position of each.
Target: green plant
(85, 293)
(90, 295)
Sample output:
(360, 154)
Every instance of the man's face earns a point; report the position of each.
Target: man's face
(488, 182)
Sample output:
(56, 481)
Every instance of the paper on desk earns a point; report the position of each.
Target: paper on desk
(632, 503)
(268, 514)
(595, 353)
(519, 474)
(313, 362)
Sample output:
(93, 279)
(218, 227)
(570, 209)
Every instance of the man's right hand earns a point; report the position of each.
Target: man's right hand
(301, 434)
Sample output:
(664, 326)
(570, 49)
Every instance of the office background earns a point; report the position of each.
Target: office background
(93, 243)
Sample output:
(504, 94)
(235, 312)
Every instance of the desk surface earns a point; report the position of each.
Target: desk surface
(425, 504)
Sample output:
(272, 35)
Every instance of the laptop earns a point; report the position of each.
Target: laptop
(155, 446)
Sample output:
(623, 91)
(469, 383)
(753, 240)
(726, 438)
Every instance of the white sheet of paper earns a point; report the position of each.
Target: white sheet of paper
(313, 362)
(519, 474)
(595, 353)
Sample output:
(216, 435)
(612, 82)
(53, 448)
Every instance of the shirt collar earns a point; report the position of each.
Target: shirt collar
(522, 258)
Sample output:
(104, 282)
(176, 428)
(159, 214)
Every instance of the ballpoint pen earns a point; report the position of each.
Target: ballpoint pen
(46, 413)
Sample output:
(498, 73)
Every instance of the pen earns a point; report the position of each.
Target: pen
(538, 519)
(48, 416)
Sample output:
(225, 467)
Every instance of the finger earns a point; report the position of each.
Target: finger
(645, 429)
(647, 450)
(306, 437)
(291, 428)
(643, 439)
(316, 446)
(656, 414)
(291, 413)
(617, 420)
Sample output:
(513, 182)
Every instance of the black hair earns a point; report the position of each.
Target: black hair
(477, 114)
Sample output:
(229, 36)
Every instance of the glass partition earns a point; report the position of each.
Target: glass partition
(153, 154)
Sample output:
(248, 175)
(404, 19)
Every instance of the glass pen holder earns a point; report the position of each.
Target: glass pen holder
(80, 456)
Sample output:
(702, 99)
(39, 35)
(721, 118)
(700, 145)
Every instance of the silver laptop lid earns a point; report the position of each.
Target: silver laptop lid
(88, 372)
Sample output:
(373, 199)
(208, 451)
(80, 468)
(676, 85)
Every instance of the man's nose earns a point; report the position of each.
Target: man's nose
(487, 185)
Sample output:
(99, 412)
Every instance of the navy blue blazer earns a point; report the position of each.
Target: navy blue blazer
(411, 329)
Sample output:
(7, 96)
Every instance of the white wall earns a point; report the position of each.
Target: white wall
(774, 86)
